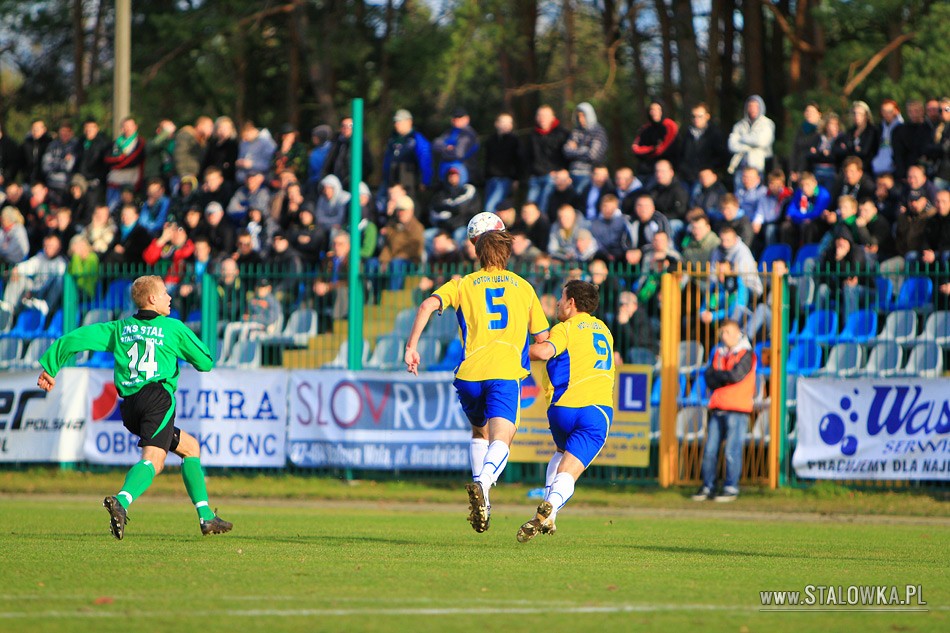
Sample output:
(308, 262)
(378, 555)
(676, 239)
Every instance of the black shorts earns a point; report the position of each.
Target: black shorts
(144, 412)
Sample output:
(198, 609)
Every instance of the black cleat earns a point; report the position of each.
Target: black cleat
(477, 508)
(217, 525)
(118, 516)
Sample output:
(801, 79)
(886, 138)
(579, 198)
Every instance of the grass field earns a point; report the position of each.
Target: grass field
(410, 565)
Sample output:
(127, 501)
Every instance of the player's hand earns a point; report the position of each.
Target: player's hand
(412, 361)
(45, 381)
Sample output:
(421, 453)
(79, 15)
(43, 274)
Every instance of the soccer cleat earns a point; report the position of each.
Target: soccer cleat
(478, 512)
(541, 523)
(217, 525)
(118, 516)
(702, 494)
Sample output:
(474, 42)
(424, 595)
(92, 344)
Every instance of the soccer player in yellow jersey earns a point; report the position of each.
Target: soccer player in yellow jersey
(498, 313)
(580, 366)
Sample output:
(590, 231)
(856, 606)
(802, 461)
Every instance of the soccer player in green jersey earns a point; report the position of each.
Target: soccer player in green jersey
(147, 347)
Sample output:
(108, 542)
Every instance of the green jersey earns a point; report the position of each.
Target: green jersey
(146, 346)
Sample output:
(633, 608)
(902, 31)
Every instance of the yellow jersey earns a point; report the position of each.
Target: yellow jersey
(581, 372)
(498, 312)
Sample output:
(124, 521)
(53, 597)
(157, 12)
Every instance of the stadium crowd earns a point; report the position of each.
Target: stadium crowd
(870, 188)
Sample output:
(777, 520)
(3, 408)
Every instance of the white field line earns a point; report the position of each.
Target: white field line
(418, 611)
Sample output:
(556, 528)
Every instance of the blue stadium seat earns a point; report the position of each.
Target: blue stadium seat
(430, 350)
(639, 356)
(820, 326)
(860, 327)
(101, 360)
(452, 358)
(55, 327)
(805, 253)
(915, 293)
(29, 324)
(775, 252)
(118, 296)
(804, 358)
(885, 293)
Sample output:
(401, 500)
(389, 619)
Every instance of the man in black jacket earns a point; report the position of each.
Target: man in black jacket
(11, 157)
(94, 146)
(34, 146)
(545, 156)
(701, 146)
(504, 162)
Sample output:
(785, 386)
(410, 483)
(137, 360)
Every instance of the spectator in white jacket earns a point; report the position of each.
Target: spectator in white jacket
(751, 139)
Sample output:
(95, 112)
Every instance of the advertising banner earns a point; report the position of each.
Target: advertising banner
(376, 420)
(873, 429)
(628, 443)
(238, 417)
(36, 426)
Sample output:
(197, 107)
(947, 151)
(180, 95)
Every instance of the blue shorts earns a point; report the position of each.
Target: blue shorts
(488, 399)
(582, 431)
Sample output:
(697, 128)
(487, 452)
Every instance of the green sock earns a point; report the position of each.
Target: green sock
(194, 479)
(137, 481)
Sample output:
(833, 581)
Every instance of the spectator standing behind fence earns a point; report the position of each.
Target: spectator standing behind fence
(189, 147)
(731, 216)
(333, 203)
(407, 160)
(806, 137)
(253, 194)
(700, 241)
(843, 275)
(751, 139)
(338, 163)
(544, 156)
(733, 250)
(290, 158)
(853, 182)
(101, 230)
(77, 200)
(912, 140)
(633, 328)
(884, 161)
(598, 186)
(83, 267)
(59, 161)
(561, 244)
(331, 290)
(655, 141)
(456, 147)
(726, 293)
(503, 162)
(669, 196)
(453, 205)
(173, 246)
(804, 210)
(14, 242)
(828, 152)
(321, 138)
(34, 147)
(131, 239)
(700, 146)
(160, 155)
(126, 161)
(940, 148)
(403, 242)
(628, 189)
(154, 211)
(647, 223)
(11, 158)
(707, 192)
(863, 137)
(563, 193)
(586, 146)
(188, 296)
(38, 281)
(255, 151)
(220, 232)
(731, 377)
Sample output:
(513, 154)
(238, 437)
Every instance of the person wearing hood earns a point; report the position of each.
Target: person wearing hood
(503, 162)
(457, 147)
(700, 146)
(734, 250)
(332, 205)
(320, 136)
(843, 274)
(453, 206)
(586, 147)
(655, 141)
(255, 151)
(338, 162)
(731, 377)
(545, 155)
(77, 200)
(884, 162)
(408, 157)
(184, 198)
(751, 138)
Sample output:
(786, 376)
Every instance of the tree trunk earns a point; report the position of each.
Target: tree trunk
(240, 76)
(526, 16)
(713, 59)
(79, 55)
(639, 70)
(612, 118)
(753, 46)
(795, 59)
(895, 61)
(293, 78)
(727, 89)
(777, 87)
(570, 63)
(385, 62)
(691, 80)
(316, 74)
(666, 45)
(92, 59)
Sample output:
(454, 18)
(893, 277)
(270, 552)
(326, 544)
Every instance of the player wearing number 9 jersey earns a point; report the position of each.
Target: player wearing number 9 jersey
(498, 313)
(580, 369)
(146, 347)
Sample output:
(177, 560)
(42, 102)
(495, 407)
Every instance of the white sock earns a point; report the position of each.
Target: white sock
(562, 489)
(551, 472)
(477, 450)
(495, 461)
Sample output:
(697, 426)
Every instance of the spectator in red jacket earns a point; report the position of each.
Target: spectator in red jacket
(172, 245)
(655, 141)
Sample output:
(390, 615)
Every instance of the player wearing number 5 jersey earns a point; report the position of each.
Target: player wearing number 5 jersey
(580, 396)
(146, 347)
(498, 313)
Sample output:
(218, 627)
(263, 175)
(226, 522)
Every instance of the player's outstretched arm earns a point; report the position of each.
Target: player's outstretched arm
(88, 338)
(426, 309)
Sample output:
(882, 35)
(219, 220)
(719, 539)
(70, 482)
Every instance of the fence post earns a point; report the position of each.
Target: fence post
(669, 375)
(209, 313)
(70, 303)
(355, 327)
(776, 378)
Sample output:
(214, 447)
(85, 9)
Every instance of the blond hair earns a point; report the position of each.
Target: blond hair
(144, 287)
